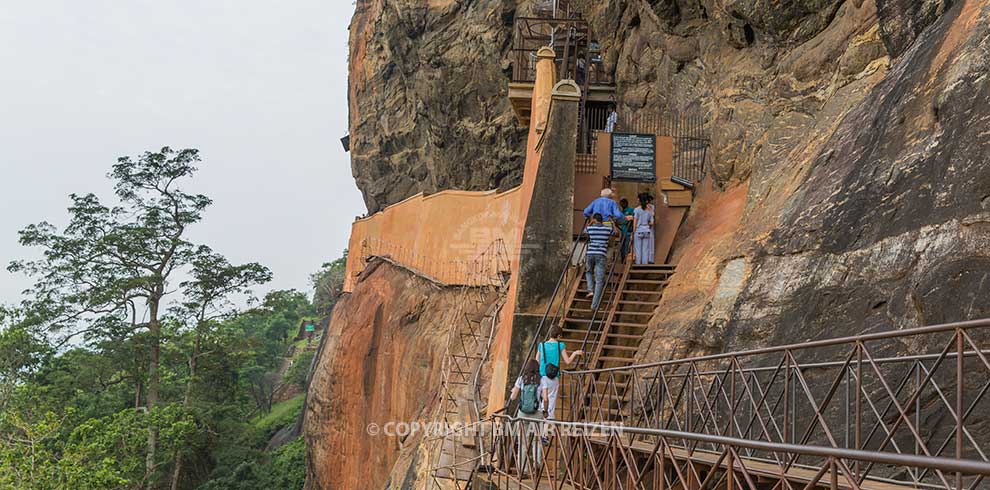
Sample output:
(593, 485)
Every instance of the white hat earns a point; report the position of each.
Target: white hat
(606, 192)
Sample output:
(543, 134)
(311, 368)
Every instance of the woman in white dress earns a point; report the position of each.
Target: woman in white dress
(643, 232)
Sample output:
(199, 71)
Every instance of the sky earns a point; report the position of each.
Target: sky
(258, 86)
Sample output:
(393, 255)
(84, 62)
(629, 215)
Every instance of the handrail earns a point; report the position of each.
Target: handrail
(587, 358)
(553, 297)
(830, 392)
(968, 466)
(594, 313)
(908, 332)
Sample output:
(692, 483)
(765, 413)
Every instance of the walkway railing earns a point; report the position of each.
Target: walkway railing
(904, 407)
(557, 304)
(599, 456)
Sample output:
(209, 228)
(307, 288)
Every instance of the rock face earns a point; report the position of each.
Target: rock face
(428, 106)
(381, 364)
(851, 191)
(878, 218)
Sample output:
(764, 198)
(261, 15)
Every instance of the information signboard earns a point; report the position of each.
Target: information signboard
(634, 157)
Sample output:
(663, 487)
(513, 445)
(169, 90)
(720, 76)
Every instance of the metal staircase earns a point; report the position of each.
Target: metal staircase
(640, 291)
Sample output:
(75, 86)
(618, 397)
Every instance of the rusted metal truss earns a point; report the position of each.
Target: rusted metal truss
(578, 55)
(897, 409)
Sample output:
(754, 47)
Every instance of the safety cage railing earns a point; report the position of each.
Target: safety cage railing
(918, 392)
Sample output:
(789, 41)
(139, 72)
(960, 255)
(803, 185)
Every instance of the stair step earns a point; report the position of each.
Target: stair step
(583, 320)
(641, 291)
(632, 302)
(642, 313)
(623, 336)
(653, 266)
(628, 360)
(621, 347)
(627, 324)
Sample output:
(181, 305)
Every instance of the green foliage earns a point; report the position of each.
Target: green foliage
(21, 353)
(99, 453)
(282, 414)
(110, 261)
(287, 468)
(328, 284)
(300, 368)
(107, 353)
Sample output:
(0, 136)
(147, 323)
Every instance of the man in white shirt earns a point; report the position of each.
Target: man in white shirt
(613, 119)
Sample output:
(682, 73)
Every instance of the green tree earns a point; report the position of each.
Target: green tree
(22, 352)
(207, 301)
(328, 284)
(106, 274)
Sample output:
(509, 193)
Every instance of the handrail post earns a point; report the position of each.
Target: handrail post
(859, 404)
(960, 360)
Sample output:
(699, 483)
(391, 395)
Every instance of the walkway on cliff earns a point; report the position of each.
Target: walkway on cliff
(890, 410)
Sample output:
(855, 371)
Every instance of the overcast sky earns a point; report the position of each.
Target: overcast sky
(259, 86)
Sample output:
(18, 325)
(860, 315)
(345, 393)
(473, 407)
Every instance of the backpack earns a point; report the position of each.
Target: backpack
(552, 370)
(529, 402)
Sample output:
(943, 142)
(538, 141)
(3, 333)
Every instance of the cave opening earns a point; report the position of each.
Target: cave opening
(749, 34)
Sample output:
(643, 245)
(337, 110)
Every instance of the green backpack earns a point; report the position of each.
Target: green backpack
(529, 402)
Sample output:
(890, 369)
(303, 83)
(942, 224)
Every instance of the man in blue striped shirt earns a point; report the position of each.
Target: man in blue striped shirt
(596, 257)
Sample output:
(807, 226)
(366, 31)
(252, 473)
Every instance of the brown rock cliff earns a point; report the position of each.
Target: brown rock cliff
(381, 364)
(428, 106)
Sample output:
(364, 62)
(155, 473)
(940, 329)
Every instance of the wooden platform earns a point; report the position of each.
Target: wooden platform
(521, 98)
(501, 482)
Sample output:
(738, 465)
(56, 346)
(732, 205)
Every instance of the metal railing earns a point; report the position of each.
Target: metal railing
(488, 268)
(600, 456)
(524, 68)
(893, 392)
(903, 407)
(557, 304)
(687, 130)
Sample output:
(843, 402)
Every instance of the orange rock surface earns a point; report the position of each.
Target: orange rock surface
(381, 364)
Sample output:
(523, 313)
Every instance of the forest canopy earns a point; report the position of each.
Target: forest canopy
(140, 359)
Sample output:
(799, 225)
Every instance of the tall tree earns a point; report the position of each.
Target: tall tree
(207, 301)
(108, 271)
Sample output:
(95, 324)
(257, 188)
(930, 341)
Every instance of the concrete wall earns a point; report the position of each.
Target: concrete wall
(439, 234)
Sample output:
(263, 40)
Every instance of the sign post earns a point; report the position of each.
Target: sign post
(310, 328)
(634, 157)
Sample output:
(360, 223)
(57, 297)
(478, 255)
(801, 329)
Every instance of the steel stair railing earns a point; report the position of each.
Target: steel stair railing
(544, 327)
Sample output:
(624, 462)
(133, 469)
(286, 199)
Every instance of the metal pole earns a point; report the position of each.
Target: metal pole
(859, 403)
(960, 365)
(787, 397)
